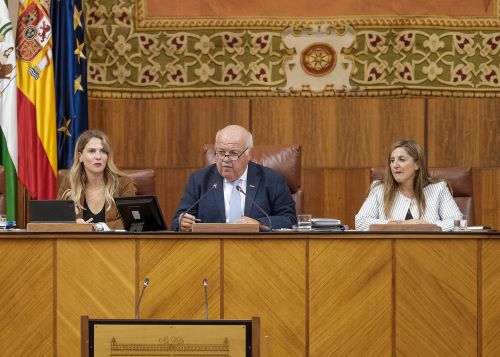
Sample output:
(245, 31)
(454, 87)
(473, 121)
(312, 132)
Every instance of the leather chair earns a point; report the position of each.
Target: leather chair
(284, 159)
(2, 190)
(144, 180)
(460, 180)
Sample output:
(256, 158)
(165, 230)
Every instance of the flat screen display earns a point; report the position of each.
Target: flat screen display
(141, 213)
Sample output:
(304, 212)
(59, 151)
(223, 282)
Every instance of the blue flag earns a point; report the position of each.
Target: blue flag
(70, 76)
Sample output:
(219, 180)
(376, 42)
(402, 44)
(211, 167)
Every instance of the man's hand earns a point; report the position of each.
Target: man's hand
(186, 222)
(246, 220)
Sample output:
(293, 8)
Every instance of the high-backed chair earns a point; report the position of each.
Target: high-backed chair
(284, 159)
(2, 189)
(144, 180)
(460, 180)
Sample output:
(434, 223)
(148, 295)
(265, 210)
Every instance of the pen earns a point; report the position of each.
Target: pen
(197, 220)
(89, 220)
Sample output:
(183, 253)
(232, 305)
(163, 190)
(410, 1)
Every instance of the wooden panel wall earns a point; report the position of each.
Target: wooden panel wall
(350, 298)
(341, 139)
(490, 327)
(177, 275)
(317, 295)
(27, 300)
(437, 297)
(94, 277)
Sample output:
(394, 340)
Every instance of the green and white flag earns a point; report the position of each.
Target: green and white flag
(8, 109)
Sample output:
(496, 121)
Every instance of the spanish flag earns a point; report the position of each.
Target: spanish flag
(37, 145)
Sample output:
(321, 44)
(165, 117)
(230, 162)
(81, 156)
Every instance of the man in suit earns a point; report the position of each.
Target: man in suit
(224, 203)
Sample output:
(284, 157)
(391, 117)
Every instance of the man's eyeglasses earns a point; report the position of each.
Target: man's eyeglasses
(232, 155)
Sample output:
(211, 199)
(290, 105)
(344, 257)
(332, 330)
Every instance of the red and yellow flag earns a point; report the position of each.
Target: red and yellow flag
(37, 131)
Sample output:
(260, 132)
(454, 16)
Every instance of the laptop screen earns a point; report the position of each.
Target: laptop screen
(52, 211)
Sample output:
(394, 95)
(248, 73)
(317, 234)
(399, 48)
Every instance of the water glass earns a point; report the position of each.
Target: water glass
(460, 223)
(3, 221)
(304, 222)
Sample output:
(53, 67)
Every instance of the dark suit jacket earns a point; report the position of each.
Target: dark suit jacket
(266, 187)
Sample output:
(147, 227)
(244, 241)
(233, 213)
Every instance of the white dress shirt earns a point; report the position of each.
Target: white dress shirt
(440, 207)
(228, 189)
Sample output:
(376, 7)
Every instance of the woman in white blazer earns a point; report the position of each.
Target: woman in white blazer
(407, 193)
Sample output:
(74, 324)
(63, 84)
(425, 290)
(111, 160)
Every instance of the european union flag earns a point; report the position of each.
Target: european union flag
(70, 76)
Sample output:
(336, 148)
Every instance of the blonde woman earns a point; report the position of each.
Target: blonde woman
(407, 193)
(94, 180)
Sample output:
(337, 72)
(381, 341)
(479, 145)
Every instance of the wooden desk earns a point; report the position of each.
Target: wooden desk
(337, 294)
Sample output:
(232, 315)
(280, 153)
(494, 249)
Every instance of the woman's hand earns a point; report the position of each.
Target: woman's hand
(410, 221)
(81, 221)
(414, 221)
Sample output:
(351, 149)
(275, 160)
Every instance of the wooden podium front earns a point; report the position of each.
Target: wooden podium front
(118, 337)
(317, 294)
(225, 228)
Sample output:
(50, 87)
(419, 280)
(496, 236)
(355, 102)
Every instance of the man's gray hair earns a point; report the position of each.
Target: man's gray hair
(249, 140)
(249, 143)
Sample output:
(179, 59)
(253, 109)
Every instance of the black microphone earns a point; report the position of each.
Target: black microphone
(214, 186)
(263, 227)
(205, 286)
(137, 307)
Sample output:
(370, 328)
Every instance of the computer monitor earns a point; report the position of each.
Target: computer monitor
(60, 211)
(140, 213)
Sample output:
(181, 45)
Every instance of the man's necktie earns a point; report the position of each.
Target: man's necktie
(234, 203)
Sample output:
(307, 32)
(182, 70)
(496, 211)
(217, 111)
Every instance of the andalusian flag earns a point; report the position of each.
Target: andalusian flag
(70, 73)
(36, 112)
(8, 110)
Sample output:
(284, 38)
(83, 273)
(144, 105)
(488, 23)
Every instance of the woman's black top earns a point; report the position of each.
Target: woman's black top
(87, 214)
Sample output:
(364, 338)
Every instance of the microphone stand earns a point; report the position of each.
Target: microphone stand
(213, 187)
(205, 286)
(137, 307)
(264, 228)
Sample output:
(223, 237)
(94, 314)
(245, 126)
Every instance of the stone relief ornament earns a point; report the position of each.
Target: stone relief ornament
(318, 59)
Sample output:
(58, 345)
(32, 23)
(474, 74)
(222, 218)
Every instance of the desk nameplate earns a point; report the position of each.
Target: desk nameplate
(401, 227)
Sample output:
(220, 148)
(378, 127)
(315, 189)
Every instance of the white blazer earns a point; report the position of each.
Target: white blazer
(440, 207)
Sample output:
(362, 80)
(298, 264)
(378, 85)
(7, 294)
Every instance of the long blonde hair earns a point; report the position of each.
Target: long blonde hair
(78, 178)
(422, 178)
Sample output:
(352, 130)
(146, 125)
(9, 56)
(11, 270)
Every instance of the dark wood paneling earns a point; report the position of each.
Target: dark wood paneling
(166, 133)
(464, 132)
(340, 138)
(340, 132)
(170, 187)
(337, 193)
(487, 196)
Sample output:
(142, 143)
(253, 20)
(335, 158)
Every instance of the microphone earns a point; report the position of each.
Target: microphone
(214, 186)
(205, 286)
(137, 307)
(264, 228)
